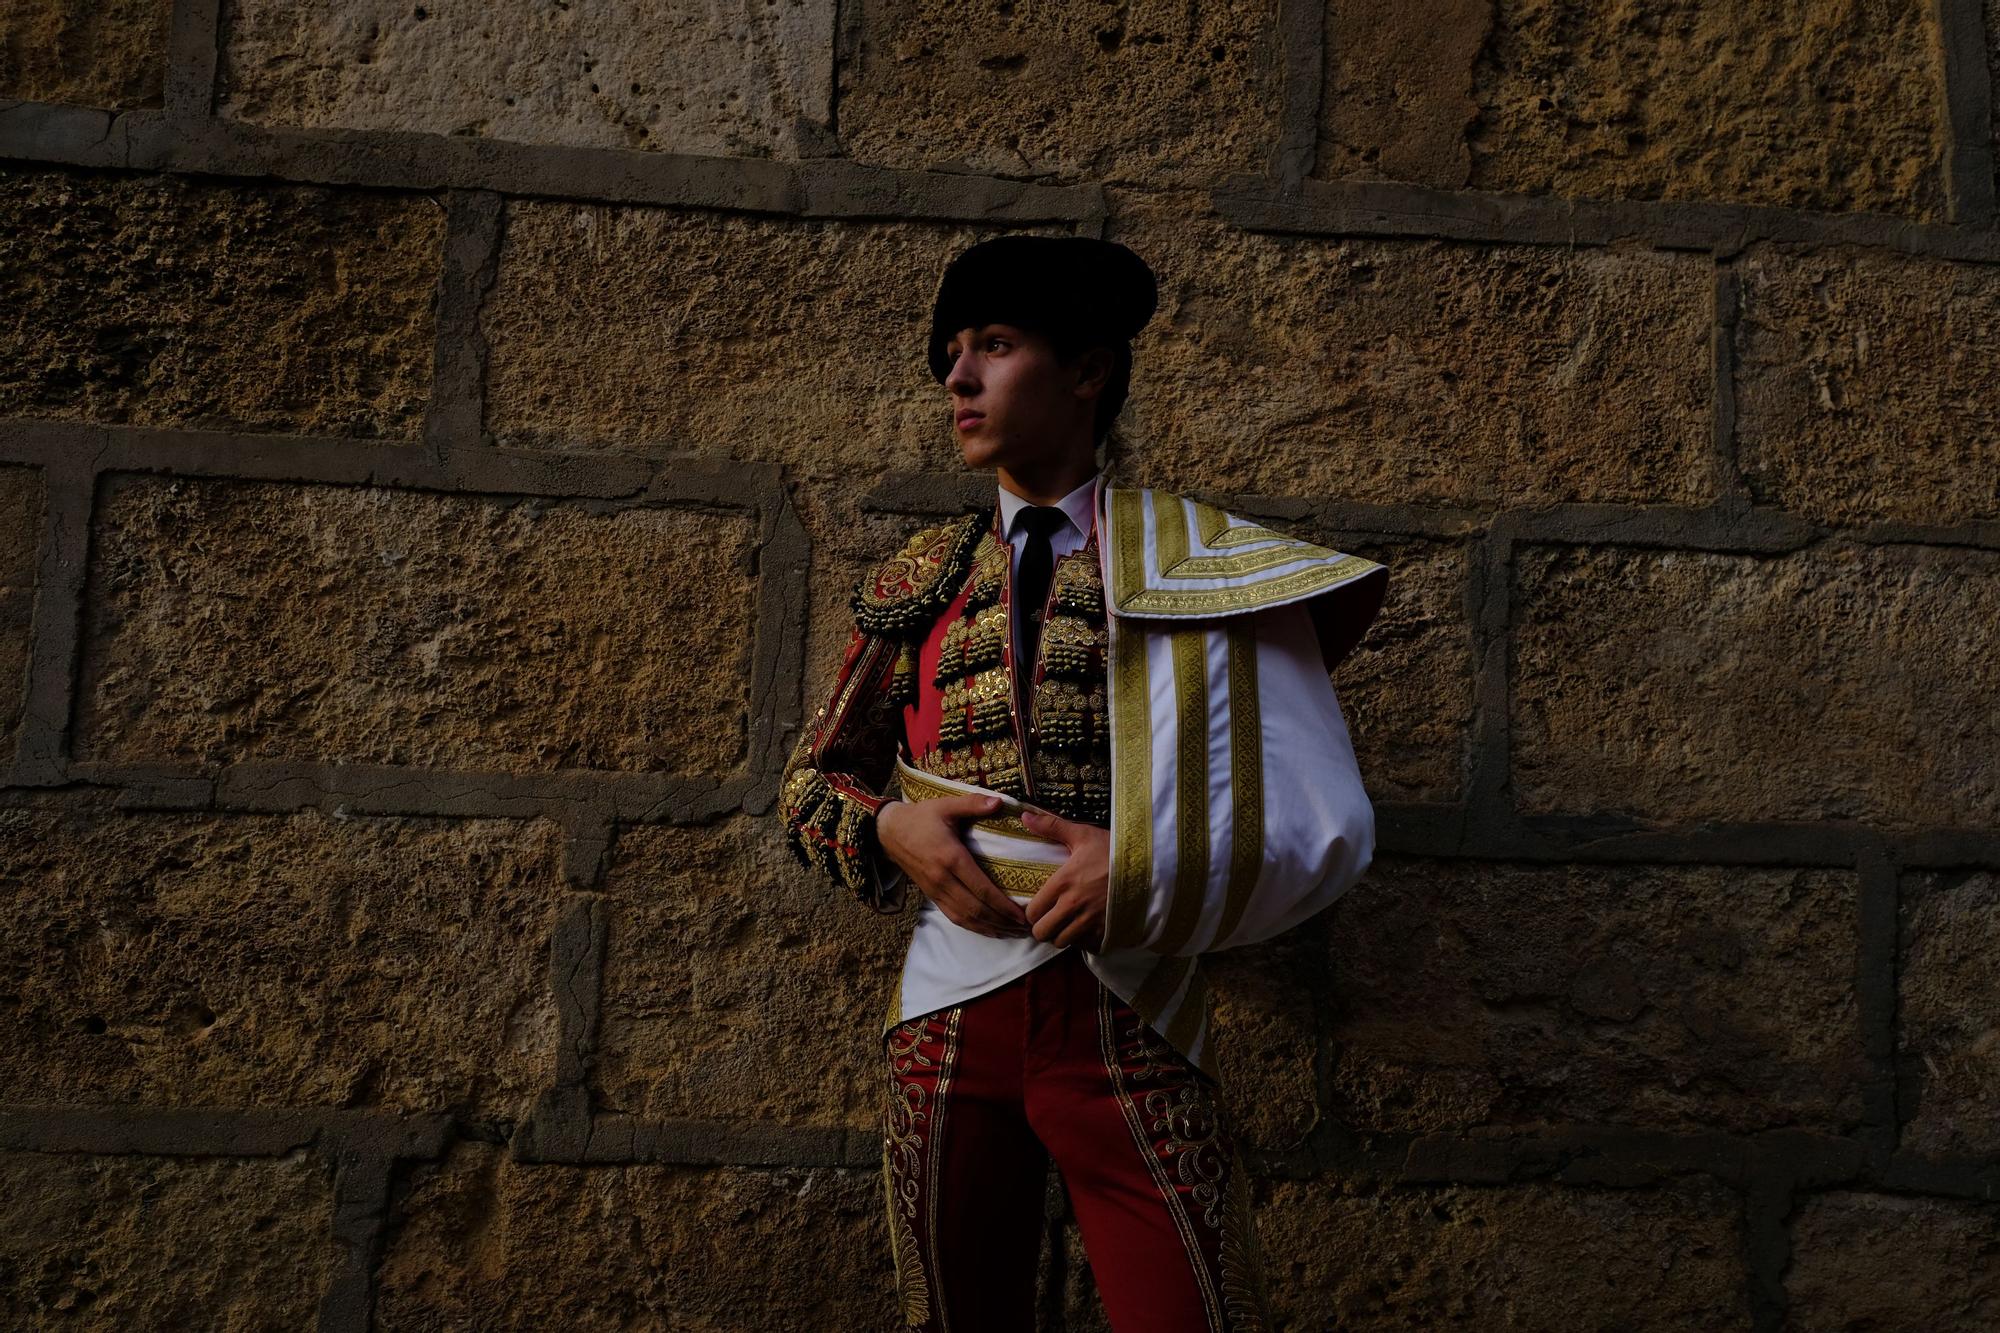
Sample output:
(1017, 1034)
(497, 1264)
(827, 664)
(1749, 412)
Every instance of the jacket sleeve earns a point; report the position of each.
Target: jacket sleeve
(836, 778)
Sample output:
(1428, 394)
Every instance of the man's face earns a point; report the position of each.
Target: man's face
(1012, 403)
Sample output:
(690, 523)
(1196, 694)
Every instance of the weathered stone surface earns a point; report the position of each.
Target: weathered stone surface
(720, 334)
(1522, 996)
(147, 1242)
(107, 53)
(482, 1242)
(739, 986)
(1165, 94)
(1804, 106)
(402, 627)
(301, 960)
(1684, 686)
(1869, 1261)
(162, 300)
(1268, 1007)
(1817, 106)
(228, 960)
(1520, 1257)
(1397, 90)
(20, 549)
(1865, 387)
(1948, 1013)
(1407, 689)
(1415, 372)
(1993, 78)
(688, 76)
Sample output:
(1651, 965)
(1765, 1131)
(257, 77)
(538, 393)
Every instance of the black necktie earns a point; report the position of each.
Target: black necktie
(1031, 589)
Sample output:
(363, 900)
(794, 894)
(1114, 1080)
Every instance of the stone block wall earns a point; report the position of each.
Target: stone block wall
(436, 444)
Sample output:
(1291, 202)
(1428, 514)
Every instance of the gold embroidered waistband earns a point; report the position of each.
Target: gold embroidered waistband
(1017, 879)
(1016, 860)
(918, 785)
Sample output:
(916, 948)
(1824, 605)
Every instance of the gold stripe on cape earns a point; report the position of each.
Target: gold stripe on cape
(1131, 756)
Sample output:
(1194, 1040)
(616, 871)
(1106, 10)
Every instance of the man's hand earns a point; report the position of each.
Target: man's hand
(922, 837)
(1069, 908)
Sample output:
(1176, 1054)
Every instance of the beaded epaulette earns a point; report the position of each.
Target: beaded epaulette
(902, 596)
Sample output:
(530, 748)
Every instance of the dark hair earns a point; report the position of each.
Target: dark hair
(1068, 345)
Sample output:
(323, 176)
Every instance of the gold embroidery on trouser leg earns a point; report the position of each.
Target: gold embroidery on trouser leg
(1242, 1257)
(1110, 1040)
(914, 1300)
(1193, 1121)
(1187, 1116)
(1158, 1054)
(947, 1064)
(912, 1144)
(902, 1165)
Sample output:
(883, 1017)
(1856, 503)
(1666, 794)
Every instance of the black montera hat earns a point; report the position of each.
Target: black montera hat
(1045, 283)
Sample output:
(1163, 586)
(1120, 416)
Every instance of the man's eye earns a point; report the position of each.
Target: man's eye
(991, 341)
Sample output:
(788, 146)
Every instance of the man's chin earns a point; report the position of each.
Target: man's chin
(979, 453)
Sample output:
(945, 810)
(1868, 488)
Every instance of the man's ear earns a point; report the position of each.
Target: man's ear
(1093, 372)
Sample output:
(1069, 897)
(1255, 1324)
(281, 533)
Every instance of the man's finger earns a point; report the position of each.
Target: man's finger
(1045, 897)
(968, 903)
(945, 892)
(966, 911)
(1083, 928)
(969, 874)
(1051, 924)
(973, 877)
(958, 901)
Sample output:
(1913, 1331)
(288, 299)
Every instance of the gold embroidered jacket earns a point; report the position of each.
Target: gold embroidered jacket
(926, 676)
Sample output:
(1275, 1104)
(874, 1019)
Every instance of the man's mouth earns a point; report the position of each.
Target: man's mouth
(968, 418)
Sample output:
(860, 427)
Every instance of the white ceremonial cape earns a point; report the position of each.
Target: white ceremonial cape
(1237, 809)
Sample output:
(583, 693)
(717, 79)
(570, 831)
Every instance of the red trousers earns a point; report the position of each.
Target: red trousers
(983, 1094)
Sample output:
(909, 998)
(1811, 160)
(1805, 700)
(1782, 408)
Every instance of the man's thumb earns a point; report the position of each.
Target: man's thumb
(978, 803)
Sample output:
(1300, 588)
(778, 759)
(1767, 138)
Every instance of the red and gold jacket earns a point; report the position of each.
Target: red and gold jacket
(928, 675)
